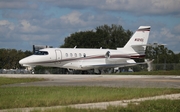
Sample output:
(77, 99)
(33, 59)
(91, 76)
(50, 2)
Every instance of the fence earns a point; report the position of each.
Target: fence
(169, 66)
(14, 71)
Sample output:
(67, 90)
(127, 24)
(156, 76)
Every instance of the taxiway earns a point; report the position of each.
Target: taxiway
(141, 81)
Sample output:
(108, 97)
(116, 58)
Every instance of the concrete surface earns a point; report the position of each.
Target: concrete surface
(101, 80)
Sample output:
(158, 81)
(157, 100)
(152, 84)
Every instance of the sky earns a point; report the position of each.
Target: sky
(24, 23)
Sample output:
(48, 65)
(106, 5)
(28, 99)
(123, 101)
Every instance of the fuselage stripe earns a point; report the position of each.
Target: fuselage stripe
(91, 57)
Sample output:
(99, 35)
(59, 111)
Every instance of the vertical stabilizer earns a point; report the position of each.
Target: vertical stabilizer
(138, 42)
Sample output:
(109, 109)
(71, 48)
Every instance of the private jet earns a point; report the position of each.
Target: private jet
(92, 59)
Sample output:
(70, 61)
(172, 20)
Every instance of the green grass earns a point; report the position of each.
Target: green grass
(19, 97)
(163, 105)
(172, 72)
(6, 80)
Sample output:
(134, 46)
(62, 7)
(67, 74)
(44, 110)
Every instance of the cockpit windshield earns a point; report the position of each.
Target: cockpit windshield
(41, 53)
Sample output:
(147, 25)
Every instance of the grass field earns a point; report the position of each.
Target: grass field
(19, 97)
(145, 106)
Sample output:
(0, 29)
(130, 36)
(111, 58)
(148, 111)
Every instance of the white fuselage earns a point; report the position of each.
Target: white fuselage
(78, 59)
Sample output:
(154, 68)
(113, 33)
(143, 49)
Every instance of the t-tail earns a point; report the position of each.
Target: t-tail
(138, 42)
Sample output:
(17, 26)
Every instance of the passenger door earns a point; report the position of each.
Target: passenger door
(58, 56)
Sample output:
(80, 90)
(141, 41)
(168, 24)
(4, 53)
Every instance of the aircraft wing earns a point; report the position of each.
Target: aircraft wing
(117, 65)
(113, 65)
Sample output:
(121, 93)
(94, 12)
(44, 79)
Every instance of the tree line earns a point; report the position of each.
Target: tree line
(162, 54)
(9, 58)
(103, 36)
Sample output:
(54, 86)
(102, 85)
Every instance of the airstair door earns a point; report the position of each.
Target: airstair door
(58, 55)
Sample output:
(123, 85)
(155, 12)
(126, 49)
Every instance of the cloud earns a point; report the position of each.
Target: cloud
(137, 7)
(5, 23)
(73, 18)
(166, 36)
(165, 32)
(75, 4)
(177, 29)
(17, 4)
(6, 28)
(26, 22)
(27, 27)
(13, 35)
(47, 29)
(87, 20)
(144, 7)
(24, 14)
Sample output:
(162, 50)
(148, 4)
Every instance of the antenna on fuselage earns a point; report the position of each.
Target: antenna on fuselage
(75, 47)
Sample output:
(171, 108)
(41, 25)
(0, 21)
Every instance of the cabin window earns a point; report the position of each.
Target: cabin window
(84, 55)
(80, 55)
(41, 53)
(71, 54)
(75, 55)
(66, 54)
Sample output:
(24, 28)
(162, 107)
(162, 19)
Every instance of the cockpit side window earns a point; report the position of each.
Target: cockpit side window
(41, 53)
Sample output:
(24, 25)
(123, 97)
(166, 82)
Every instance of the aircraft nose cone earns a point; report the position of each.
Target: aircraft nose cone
(21, 61)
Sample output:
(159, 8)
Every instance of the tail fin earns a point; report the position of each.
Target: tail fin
(138, 41)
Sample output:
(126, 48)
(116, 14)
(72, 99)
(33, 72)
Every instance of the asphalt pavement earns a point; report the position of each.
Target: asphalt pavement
(141, 81)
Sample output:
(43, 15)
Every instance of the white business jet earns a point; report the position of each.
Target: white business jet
(92, 59)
